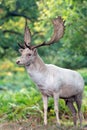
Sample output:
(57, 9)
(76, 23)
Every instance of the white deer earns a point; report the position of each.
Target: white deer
(50, 79)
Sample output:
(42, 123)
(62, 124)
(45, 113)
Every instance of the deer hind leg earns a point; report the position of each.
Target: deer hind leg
(45, 104)
(69, 103)
(78, 99)
(56, 97)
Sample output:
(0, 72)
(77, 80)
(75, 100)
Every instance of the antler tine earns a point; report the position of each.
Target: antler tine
(21, 46)
(27, 35)
(28, 46)
(58, 32)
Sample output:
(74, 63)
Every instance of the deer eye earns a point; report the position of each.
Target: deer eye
(29, 54)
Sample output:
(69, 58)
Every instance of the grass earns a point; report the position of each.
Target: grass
(20, 99)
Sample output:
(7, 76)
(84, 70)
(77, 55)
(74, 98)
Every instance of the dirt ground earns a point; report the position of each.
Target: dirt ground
(32, 126)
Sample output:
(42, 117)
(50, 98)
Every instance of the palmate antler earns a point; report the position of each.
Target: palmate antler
(58, 24)
(58, 32)
(27, 37)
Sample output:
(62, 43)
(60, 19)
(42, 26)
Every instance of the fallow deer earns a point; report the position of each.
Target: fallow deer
(50, 79)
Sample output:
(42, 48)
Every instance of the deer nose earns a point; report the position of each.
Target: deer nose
(18, 62)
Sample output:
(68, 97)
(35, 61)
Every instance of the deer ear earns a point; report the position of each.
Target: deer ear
(35, 51)
(20, 50)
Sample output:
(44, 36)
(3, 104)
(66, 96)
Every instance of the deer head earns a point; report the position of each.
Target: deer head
(28, 51)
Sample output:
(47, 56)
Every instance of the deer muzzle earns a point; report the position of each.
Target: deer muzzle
(17, 62)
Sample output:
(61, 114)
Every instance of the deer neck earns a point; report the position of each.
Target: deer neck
(37, 66)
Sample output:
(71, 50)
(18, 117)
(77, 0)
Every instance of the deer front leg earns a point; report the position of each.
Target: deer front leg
(45, 104)
(56, 97)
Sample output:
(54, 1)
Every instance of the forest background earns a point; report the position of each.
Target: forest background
(19, 97)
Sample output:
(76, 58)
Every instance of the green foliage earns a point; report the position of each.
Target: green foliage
(19, 105)
(71, 50)
(83, 72)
